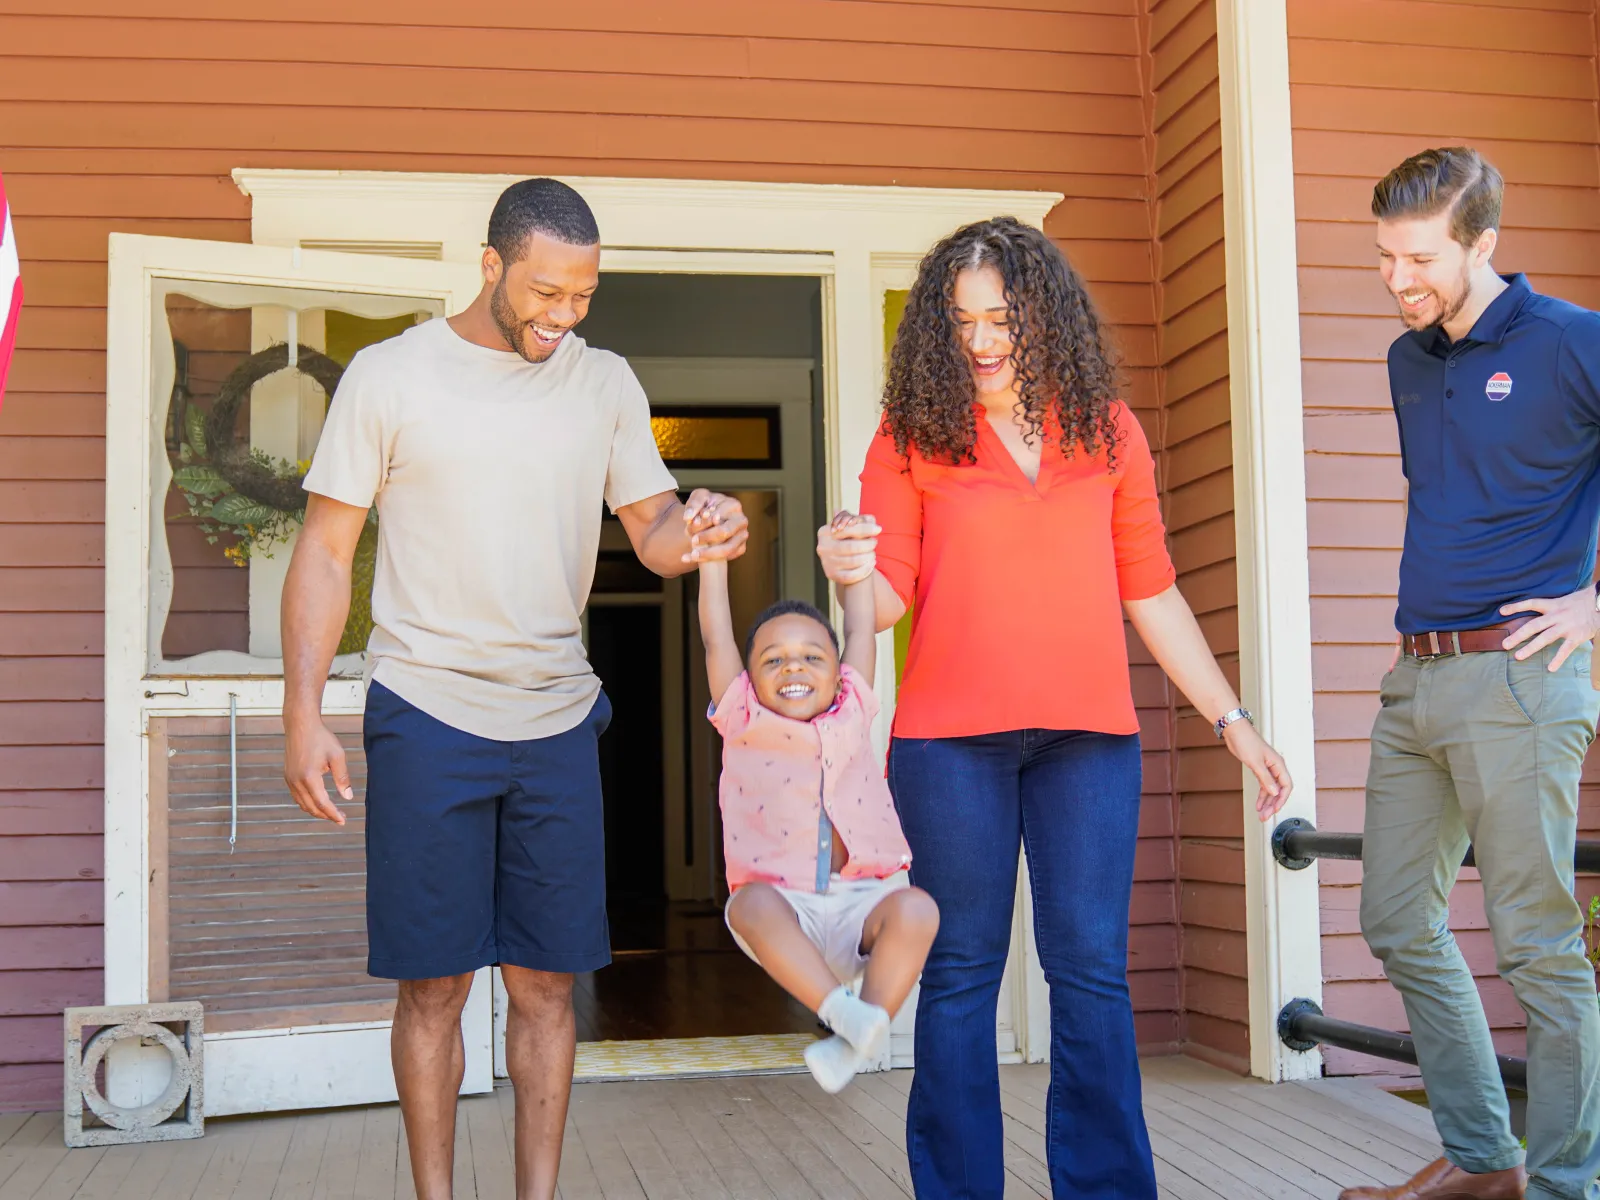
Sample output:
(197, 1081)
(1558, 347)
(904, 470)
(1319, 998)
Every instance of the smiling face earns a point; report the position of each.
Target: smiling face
(1430, 275)
(984, 330)
(794, 667)
(539, 298)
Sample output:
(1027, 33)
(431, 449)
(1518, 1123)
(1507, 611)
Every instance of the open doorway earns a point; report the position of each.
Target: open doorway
(732, 366)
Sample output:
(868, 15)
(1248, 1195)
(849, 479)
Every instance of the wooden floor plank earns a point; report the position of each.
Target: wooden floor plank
(843, 1115)
(297, 1177)
(11, 1124)
(341, 1156)
(1380, 1125)
(694, 1106)
(732, 1102)
(1216, 1136)
(38, 1135)
(807, 1111)
(404, 1185)
(185, 1168)
(1335, 1152)
(814, 1166)
(155, 1163)
(1372, 1101)
(259, 1175)
(659, 1112)
(37, 1162)
(380, 1144)
(74, 1167)
(111, 1169)
(1253, 1121)
(493, 1171)
(613, 1173)
(462, 1184)
(1227, 1157)
(228, 1162)
(1202, 1171)
(1369, 1123)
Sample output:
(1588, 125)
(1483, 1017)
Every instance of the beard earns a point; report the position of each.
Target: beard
(1450, 305)
(512, 327)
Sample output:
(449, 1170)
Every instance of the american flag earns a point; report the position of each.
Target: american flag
(10, 289)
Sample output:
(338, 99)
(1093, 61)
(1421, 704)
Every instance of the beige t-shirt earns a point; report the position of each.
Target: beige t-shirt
(488, 473)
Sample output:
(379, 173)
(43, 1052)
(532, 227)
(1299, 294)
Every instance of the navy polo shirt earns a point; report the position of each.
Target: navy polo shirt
(1500, 443)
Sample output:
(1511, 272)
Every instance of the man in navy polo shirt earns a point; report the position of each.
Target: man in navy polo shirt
(1488, 708)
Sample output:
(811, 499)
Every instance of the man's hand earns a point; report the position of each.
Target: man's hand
(718, 528)
(311, 751)
(848, 547)
(1571, 620)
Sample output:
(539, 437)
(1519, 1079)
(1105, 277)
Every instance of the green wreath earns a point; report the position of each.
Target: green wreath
(233, 489)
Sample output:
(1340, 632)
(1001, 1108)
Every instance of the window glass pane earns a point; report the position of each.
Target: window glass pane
(712, 437)
(235, 426)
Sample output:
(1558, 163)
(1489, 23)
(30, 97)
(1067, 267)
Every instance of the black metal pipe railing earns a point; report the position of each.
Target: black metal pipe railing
(1302, 1026)
(1297, 842)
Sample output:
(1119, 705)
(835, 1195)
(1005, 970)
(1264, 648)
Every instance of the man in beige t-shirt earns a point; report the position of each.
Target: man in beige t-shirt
(488, 443)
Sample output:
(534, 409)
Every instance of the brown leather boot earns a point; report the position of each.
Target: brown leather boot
(1443, 1180)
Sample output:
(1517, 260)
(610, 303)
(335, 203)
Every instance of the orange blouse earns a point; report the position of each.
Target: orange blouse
(1015, 588)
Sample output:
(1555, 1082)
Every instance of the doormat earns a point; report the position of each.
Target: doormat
(780, 1053)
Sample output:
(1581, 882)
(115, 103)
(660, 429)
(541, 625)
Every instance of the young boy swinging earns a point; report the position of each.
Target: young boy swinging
(816, 860)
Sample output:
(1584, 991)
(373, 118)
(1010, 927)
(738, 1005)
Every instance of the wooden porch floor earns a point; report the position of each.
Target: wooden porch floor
(775, 1136)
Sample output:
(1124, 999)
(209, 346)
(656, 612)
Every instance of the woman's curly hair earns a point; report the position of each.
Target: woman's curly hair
(1059, 356)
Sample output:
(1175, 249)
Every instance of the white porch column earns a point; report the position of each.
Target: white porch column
(1283, 927)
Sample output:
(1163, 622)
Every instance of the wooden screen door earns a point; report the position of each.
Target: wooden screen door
(218, 888)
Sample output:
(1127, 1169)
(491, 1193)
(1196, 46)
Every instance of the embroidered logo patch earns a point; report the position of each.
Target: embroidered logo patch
(1498, 387)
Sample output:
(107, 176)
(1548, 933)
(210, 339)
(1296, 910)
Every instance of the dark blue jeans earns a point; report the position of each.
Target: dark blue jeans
(1072, 801)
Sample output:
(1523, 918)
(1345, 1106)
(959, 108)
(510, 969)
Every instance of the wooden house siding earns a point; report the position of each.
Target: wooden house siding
(1196, 457)
(1518, 81)
(130, 116)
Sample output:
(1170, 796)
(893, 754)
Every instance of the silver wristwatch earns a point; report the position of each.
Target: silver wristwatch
(1228, 718)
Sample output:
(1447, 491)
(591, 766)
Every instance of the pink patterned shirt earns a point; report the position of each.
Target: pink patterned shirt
(784, 780)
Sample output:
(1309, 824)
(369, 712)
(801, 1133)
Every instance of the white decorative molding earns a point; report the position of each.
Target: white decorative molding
(1283, 927)
(290, 206)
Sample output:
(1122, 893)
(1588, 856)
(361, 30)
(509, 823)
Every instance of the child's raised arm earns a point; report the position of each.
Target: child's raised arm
(860, 615)
(723, 663)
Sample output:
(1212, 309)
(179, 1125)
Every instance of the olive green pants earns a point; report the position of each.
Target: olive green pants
(1483, 749)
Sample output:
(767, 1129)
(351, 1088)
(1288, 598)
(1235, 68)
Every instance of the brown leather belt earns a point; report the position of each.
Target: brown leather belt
(1460, 641)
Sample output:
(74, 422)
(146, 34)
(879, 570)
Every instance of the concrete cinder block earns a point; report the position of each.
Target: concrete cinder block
(160, 1119)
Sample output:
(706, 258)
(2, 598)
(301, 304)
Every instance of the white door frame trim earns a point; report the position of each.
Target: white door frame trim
(857, 240)
(838, 232)
(1283, 925)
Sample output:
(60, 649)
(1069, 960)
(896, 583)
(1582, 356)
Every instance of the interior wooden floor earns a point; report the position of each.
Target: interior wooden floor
(676, 973)
(1216, 1137)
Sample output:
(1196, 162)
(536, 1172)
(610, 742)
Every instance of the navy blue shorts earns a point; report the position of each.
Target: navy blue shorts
(482, 852)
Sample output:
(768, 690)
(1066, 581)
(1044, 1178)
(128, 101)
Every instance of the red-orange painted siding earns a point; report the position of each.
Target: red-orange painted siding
(129, 116)
(1518, 81)
(1196, 455)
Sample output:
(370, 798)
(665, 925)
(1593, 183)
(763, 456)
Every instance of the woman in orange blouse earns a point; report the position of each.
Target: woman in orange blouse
(1016, 515)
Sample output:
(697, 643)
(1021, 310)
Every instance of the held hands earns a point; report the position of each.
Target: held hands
(1571, 619)
(848, 547)
(311, 751)
(717, 526)
(1265, 763)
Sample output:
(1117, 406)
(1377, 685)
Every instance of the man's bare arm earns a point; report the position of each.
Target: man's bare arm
(671, 538)
(316, 604)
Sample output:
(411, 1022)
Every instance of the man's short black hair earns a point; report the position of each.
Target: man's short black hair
(545, 206)
(785, 608)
